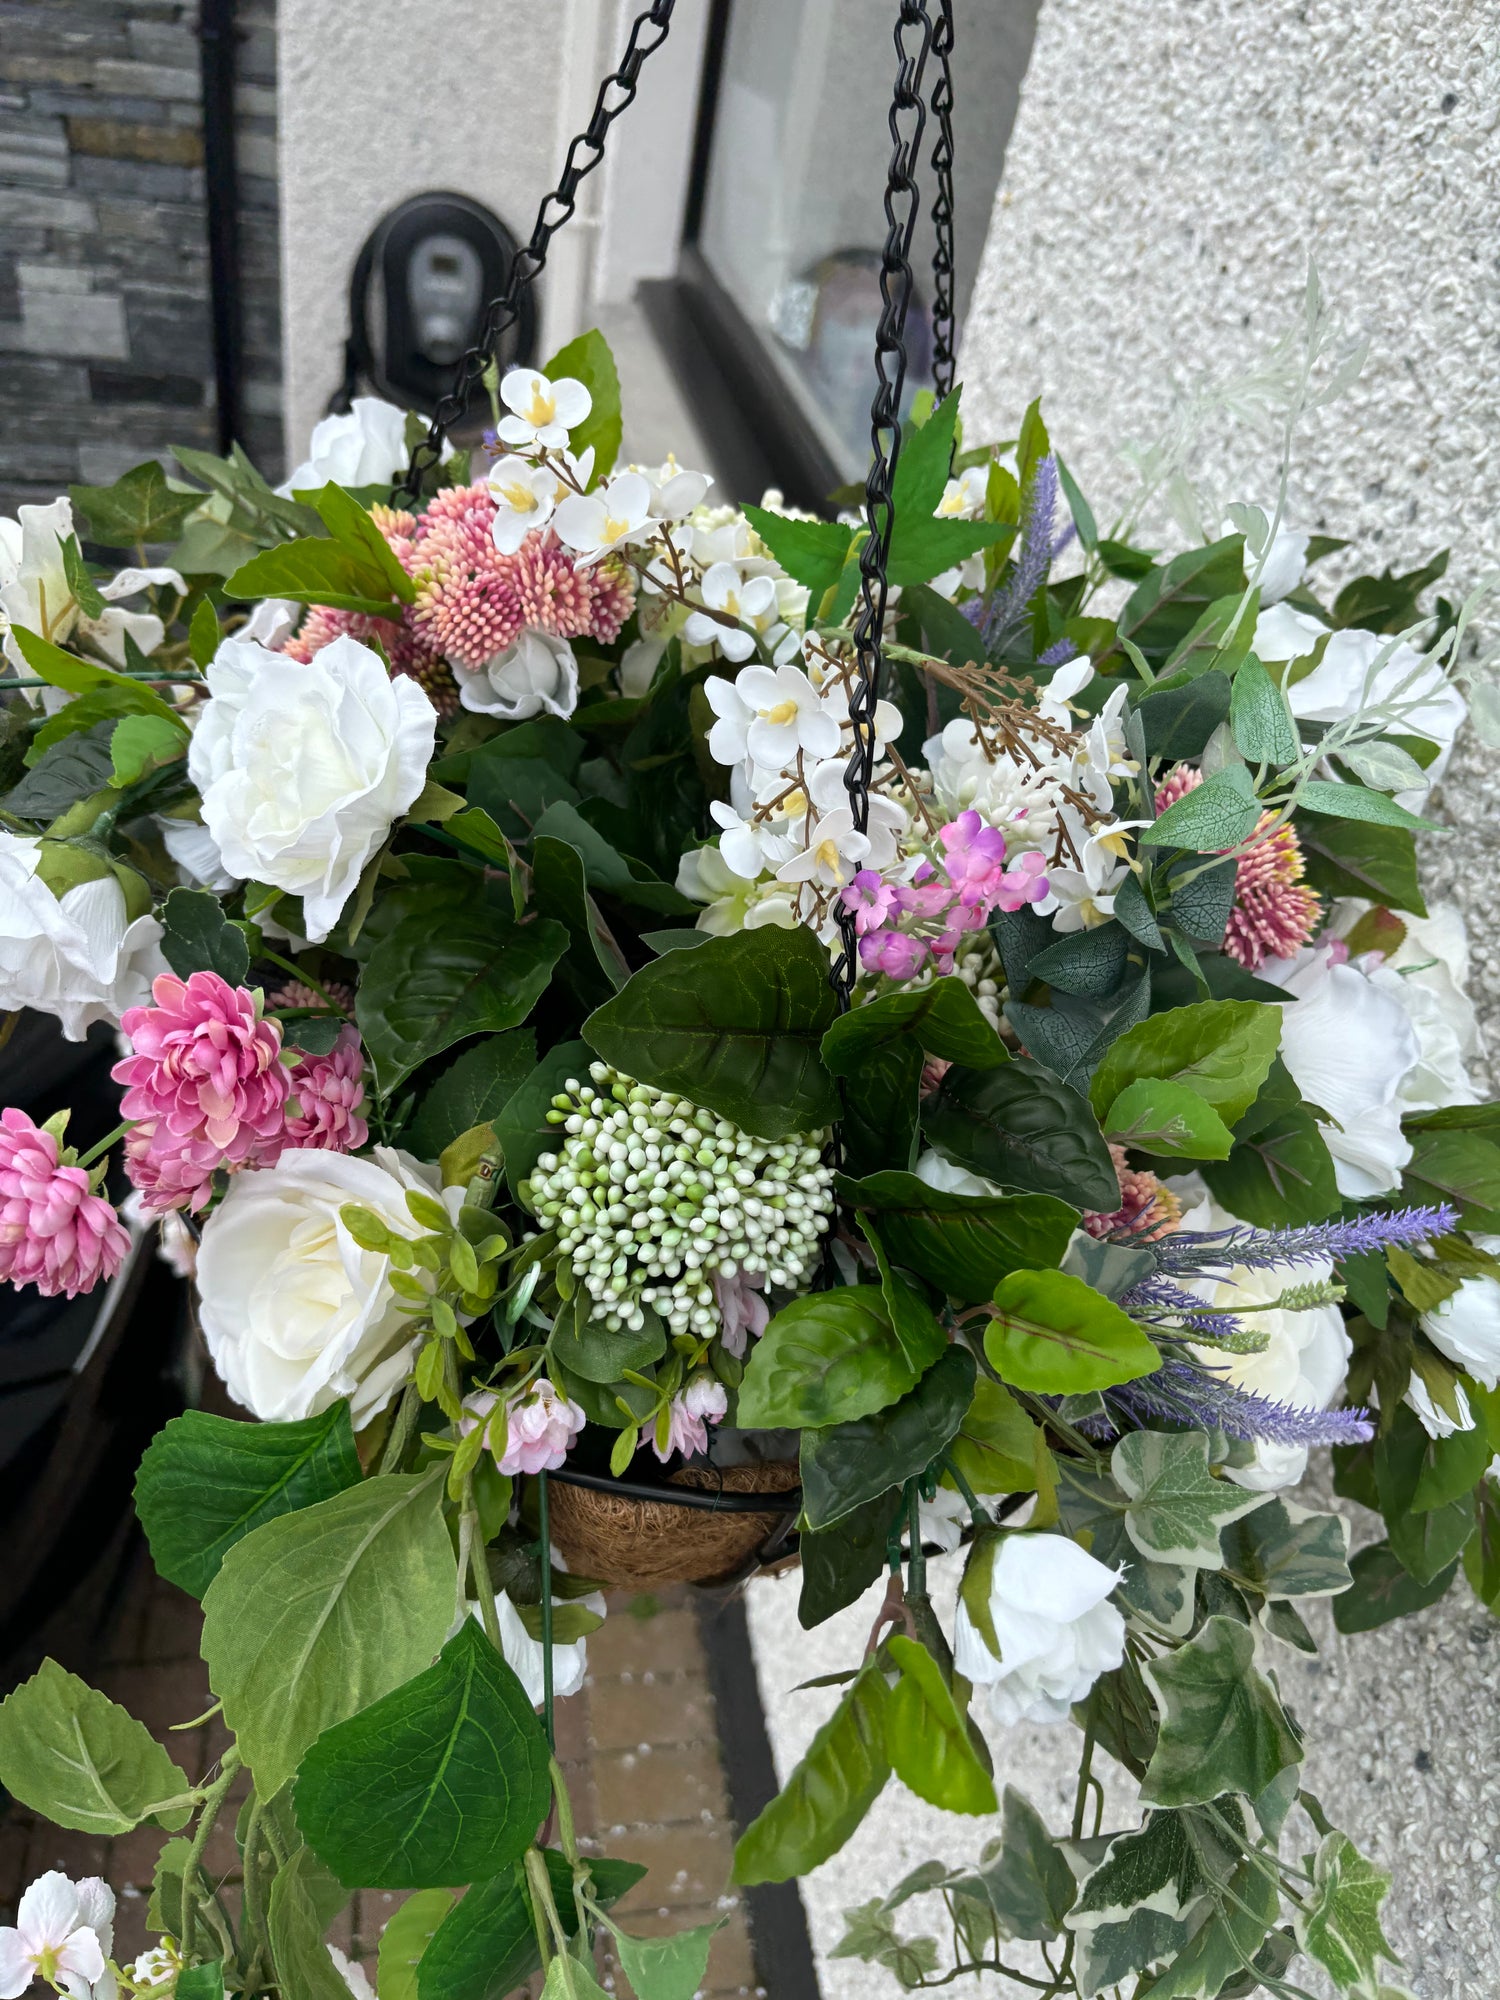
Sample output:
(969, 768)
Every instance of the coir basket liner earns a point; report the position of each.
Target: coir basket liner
(623, 1539)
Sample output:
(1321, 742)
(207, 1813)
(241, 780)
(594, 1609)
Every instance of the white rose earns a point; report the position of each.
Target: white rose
(1306, 1357)
(1428, 973)
(303, 768)
(295, 1313)
(523, 1654)
(1431, 1416)
(366, 446)
(196, 853)
(1055, 1629)
(943, 1175)
(1466, 1326)
(536, 671)
(78, 956)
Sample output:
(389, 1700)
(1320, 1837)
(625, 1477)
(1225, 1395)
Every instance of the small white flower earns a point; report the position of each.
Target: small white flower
(1435, 1420)
(751, 600)
(735, 902)
(591, 524)
(63, 1934)
(365, 446)
(835, 850)
(942, 1519)
(1084, 896)
(526, 496)
(964, 496)
(769, 714)
(1055, 1628)
(675, 492)
(541, 412)
(887, 823)
(535, 672)
(156, 1967)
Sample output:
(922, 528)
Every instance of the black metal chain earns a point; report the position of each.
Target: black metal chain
(616, 93)
(908, 118)
(944, 359)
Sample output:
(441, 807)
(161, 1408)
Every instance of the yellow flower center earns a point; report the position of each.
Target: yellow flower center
(794, 805)
(827, 852)
(543, 408)
(520, 499)
(783, 711)
(613, 529)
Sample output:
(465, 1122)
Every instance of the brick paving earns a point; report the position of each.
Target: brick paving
(638, 1744)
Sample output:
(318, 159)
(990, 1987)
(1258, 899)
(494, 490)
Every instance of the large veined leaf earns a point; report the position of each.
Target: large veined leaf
(735, 1025)
(1222, 1727)
(473, 1090)
(1177, 1506)
(811, 551)
(138, 509)
(1264, 730)
(78, 1758)
(666, 1968)
(206, 1482)
(1019, 1126)
(486, 1948)
(296, 1923)
(829, 1792)
(1215, 817)
(963, 1244)
(321, 1612)
(441, 1783)
(943, 1018)
(1056, 1335)
(1156, 1115)
(425, 989)
(1132, 1910)
(352, 568)
(825, 1359)
(847, 1464)
(1222, 1049)
(927, 1738)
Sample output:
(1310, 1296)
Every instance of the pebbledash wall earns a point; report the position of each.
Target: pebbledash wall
(1173, 164)
(105, 353)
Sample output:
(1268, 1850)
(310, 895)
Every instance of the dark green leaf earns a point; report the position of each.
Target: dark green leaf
(827, 1795)
(1136, 914)
(1216, 816)
(1021, 936)
(487, 1949)
(1019, 1126)
(607, 871)
(206, 1482)
(1222, 1727)
(881, 1091)
(198, 937)
(1280, 1177)
(1347, 858)
(1054, 1335)
(964, 1244)
(1165, 605)
(826, 1358)
(927, 1737)
(425, 989)
(920, 1337)
(80, 1760)
(1383, 1589)
(1386, 603)
(942, 1018)
(839, 1562)
(1131, 1911)
(1264, 731)
(735, 1026)
(138, 509)
(1089, 963)
(587, 359)
(593, 968)
(71, 770)
(1178, 721)
(472, 1091)
(1024, 1874)
(946, 633)
(812, 552)
(522, 1127)
(851, 1463)
(1201, 899)
(1427, 1544)
(1072, 1034)
(1482, 1550)
(441, 1783)
(1457, 1166)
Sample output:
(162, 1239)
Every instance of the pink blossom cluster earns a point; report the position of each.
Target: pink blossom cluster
(55, 1233)
(537, 1432)
(472, 601)
(703, 1402)
(904, 927)
(208, 1086)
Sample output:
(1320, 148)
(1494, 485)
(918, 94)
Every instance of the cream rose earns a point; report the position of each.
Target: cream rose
(1053, 1627)
(78, 956)
(295, 1313)
(536, 672)
(303, 768)
(364, 445)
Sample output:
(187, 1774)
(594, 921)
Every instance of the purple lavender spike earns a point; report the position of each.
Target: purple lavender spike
(1158, 1295)
(1184, 1394)
(1058, 655)
(1029, 570)
(1193, 1249)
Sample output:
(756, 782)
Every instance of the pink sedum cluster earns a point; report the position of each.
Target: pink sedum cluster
(472, 601)
(326, 1093)
(204, 1083)
(905, 927)
(1147, 1209)
(54, 1232)
(538, 1430)
(1274, 912)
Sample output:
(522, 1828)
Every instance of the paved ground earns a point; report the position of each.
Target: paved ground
(639, 1745)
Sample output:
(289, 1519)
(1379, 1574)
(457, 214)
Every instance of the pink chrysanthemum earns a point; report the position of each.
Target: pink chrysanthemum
(1147, 1210)
(54, 1233)
(327, 1092)
(1274, 912)
(205, 1076)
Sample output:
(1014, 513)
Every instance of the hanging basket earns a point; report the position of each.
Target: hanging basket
(713, 1530)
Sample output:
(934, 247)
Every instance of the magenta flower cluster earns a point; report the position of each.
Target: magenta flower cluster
(55, 1233)
(208, 1087)
(904, 927)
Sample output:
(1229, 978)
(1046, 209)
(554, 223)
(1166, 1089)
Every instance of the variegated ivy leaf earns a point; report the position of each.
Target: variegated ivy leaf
(1282, 1550)
(1227, 1941)
(1222, 1727)
(1162, 1595)
(1339, 1925)
(1132, 1911)
(1177, 1505)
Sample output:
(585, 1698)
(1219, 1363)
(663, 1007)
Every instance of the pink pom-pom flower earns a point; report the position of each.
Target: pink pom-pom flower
(326, 1093)
(204, 1083)
(55, 1232)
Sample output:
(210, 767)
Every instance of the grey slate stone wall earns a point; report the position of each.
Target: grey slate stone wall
(105, 328)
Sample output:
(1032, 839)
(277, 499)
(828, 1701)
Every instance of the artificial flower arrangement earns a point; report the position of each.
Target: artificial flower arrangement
(463, 879)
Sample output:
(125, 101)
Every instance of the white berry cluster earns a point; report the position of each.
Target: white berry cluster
(653, 1197)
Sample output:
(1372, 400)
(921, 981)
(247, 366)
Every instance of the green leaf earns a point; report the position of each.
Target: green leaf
(1384, 1589)
(922, 547)
(201, 1982)
(599, 1356)
(1019, 1126)
(812, 552)
(1177, 1506)
(1131, 1910)
(1136, 914)
(1158, 1115)
(587, 359)
(1430, 1543)
(1482, 1550)
(925, 459)
(63, 670)
(441, 1783)
(352, 568)
(1243, 1907)
(296, 1925)
(138, 509)
(1278, 1177)
(963, 1244)
(1055, 1335)
(826, 1358)
(1264, 731)
(920, 1336)
(666, 1968)
(1089, 963)
(198, 937)
(1222, 1727)
(522, 1127)
(1282, 1551)
(1346, 858)
(1458, 1166)
(608, 871)
(1167, 603)
(75, 768)
(1177, 721)
(1200, 903)
(315, 1615)
(839, 1562)
(404, 1940)
(1216, 816)
(1221, 1049)
(144, 743)
(850, 1463)
(486, 1948)
(998, 1448)
(943, 1018)
(735, 1026)
(473, 1090)
(203, 633)
(1339, 1924)
(206, 1482)
(1335, 801)
(425, 989)
(1073, 1034)
(594, 967)
(80, 1760)
(829, 1792)
(927, 1738)
(1024, 1874)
